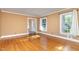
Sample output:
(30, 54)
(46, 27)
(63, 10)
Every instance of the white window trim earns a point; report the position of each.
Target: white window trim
(41, 23)
(61, 32)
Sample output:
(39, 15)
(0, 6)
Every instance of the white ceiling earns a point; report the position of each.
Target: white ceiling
(35, 12)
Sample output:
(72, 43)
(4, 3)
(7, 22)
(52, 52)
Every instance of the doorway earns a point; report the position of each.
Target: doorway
(32, 25)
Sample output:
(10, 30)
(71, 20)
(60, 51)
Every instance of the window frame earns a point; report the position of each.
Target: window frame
(41, 24)
(61, 21)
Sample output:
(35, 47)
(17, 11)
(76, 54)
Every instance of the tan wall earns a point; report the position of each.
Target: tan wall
(0, 23)
(78, 16)
(53, 25)
(38, 24)
(13, 24)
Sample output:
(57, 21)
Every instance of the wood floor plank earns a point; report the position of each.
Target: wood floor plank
(50, 44)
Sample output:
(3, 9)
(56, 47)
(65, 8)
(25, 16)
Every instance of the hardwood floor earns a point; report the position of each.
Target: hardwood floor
(44, 43)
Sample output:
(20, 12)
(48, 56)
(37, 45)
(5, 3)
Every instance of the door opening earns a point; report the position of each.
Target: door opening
(32, 26)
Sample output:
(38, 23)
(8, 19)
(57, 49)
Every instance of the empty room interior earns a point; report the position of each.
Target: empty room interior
(39, 29)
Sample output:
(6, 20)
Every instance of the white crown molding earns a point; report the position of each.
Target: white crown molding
(13, 12)
(59, 11)
(17, 13)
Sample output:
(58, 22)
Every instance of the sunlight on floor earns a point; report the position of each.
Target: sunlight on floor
(62, 48)
(59, 48)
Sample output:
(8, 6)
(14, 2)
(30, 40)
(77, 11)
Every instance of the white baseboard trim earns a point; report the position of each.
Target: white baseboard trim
(61, 37)
(9, 36)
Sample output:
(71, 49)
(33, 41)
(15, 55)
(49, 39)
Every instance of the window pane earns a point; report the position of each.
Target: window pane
(67, 23)
(43, 24)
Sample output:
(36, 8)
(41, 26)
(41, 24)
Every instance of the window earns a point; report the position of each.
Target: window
(66, 22)
(43, 24)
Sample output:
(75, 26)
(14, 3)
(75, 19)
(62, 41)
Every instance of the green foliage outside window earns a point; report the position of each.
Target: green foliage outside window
(44, 23)
(67, 23)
